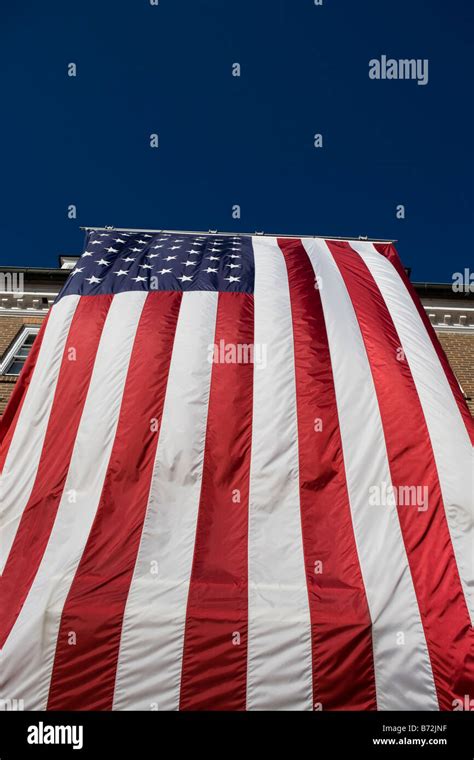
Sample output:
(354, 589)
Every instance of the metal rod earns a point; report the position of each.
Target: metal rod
(235, 234)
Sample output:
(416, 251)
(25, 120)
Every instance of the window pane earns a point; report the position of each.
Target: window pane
(14, 368)
(17, 362)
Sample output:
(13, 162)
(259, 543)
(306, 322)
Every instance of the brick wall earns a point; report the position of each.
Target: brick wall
(9, 329)
(460, 351)
(6, 386)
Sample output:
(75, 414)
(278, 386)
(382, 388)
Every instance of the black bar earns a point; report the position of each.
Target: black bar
(318, 735)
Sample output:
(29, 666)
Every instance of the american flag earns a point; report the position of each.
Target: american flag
(237, 473)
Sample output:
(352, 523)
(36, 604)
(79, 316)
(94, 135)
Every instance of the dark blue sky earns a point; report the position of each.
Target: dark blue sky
(249, 141)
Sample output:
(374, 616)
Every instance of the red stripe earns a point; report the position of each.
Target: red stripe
(443, 608)
(343, 667)
(84, 674)
(388, 250)
(12, 411)
(38, 517)
(215, 645)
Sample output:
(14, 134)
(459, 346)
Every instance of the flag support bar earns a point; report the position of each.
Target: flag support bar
(236, 234)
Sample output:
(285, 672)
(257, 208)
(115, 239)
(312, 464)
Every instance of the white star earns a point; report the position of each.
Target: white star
(145, 266)
(121, 272)
(104, 234)
(233, 266)
(209, 269)
(77, 270)
(102, 262)
(93, 279)
(218, 250)
(128, 259)
(86, 253)
(152, 255)
(174, 247)
(96, 242)
(112, 250)
(232, 279)
(165, 271)
(169, 258)
(139, 279)
(189, 263)
(142, 242)
(234, 256)
(234, 249)
(184, 278)
(119, 240)
(213, 258)
(158, 246)
(193, 251)
(136, 250)
(147, 235)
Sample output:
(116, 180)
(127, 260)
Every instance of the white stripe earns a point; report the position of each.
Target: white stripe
(452, 447)
(28, 655)
(151, 649)
(403, 674)
(279, 638)
(21, 464)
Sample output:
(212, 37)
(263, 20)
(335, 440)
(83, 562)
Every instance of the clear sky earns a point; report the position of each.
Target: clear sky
(227, 140)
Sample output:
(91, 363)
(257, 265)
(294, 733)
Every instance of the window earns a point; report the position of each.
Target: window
(15, 357)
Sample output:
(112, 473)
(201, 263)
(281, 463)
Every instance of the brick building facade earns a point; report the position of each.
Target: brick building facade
(26, 296)
(23, 306)
(452, 316)
(10, 329)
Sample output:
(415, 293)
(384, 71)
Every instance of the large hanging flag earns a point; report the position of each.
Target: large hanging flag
(237, 473)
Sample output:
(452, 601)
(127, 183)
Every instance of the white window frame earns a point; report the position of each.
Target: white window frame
(16, 346)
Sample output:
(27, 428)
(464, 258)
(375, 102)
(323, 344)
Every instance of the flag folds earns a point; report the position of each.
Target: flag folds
(236, 473)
